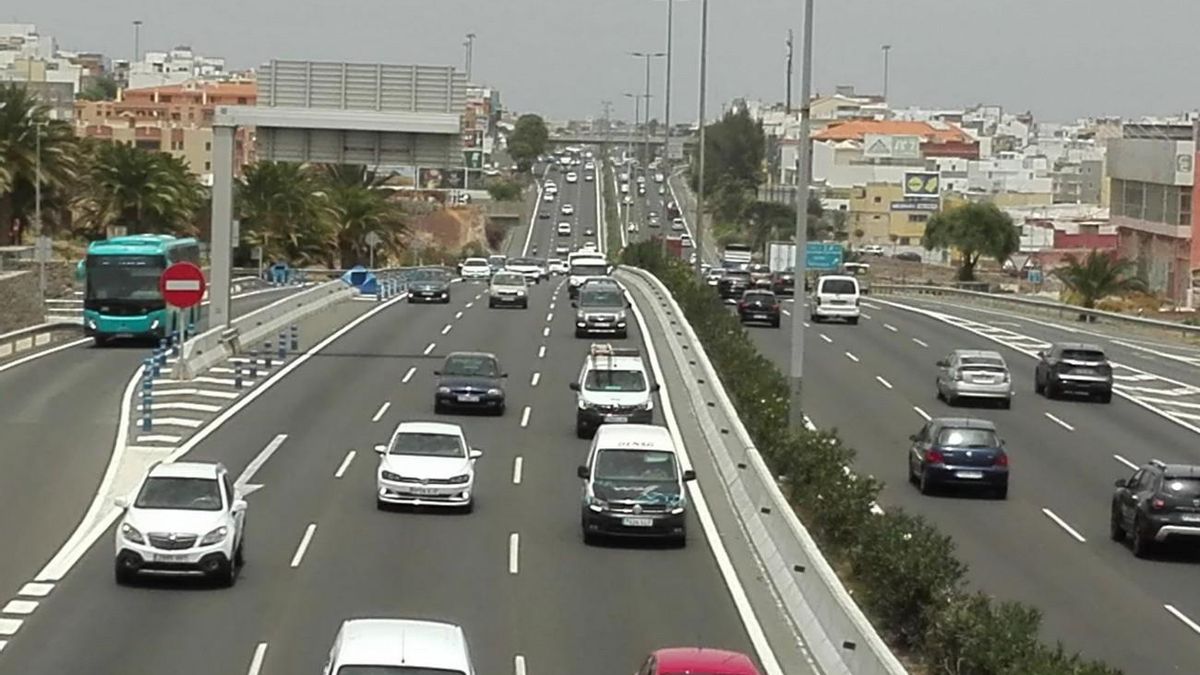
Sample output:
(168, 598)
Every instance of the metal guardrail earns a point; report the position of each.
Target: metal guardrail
(1093, 318)
(26, 339)
(839, 636)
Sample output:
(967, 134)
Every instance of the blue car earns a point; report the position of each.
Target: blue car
(958, 451)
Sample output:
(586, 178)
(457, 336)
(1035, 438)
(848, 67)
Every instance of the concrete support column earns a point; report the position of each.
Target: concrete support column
(222, 226)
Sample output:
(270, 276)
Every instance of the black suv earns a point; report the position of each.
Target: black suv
(1159, 502)
(733, 284)
(1074, 367)
(759, 306)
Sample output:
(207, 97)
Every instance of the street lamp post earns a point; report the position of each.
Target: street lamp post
(470, 45)
(699, 219)
(637, 115)
(137, 40)
(887, 49)
(667, 93)
(803, 161)
(37, 207)
(646, 131)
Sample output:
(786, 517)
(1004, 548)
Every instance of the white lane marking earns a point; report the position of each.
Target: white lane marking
(525, 417)
(549, 317)
(304, 542)
(4, 643)
(430, 348)
(1063, 524)
(890, 327)
(256, 661)
(805, 324)
(514, 552)
(341, 471)
(518, 466)
(382, 411)
(867, 304)
(242, 484)
(852, 357)
(546, 331)
(21, 607)
(446, 328)
(1059, 422)
(537, 377)
(542, 352)
(552, 306)
(922, 413)
(1182, 617)
(883, 382)
(785, 312)
(865, 315)
(458, 315)
(518, 665)
(1126, 462)
(469, 305)
(408, 375)
(36, 590)
(921, 342)
(826, 338)
(10, 626)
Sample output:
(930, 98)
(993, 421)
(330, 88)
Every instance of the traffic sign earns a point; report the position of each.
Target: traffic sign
(1035, 275)
(823, 256)
(182, 285)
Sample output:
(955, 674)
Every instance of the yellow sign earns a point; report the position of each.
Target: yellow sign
(922, 184)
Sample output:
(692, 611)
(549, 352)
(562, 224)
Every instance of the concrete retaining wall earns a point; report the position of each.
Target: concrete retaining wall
(20, 302)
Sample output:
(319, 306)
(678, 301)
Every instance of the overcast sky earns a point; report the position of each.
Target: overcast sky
(1059, 58)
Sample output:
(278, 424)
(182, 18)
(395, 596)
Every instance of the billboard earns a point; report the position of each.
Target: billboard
(891, 146)
(440, 179)
(916, 205)
(922, 184)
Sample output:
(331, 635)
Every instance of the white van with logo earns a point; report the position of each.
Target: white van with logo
(835, 297)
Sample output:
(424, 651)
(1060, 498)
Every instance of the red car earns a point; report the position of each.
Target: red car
(697, 661)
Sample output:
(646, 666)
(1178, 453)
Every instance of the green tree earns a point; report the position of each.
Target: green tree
(143, 190)
(975, 230)
(776, 221)
(281, 211)
(22, 118)
(103, 88)
(355, 203)
(734, 148)
(527, 140)
(1098, 276)
(504, 190)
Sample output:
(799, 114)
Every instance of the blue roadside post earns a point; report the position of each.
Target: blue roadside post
(295, 338)
(237, 376)
(254, 362)
(147, 394)
(282, 346)
(175, 343)
(268, 348)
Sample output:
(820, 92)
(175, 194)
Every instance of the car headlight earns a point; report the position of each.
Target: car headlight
(131, 533)
(520, 291)
(495, 391)
(677, 510)
(596, 504)
(463, 478)
(648, 405)
(215, 537)
(443, 390)
(154, 325)
(388, 475)
(584, 405)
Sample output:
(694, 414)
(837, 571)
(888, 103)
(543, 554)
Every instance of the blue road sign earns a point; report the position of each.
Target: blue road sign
(823, 256)
(1035, 275)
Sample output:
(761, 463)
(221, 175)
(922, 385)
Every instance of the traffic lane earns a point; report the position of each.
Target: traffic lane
(59, 415)
(875, 420)
(319, 406)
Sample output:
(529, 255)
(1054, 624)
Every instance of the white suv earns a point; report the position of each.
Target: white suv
(185, 517)
(613, 388)
(476, 268)
(836, 297)
(426, 464)
(399, 646)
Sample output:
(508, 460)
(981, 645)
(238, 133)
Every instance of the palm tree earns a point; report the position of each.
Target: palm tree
(357, 203)
(1098, 276)
(22, 119)
(280, 209)
(142, 190)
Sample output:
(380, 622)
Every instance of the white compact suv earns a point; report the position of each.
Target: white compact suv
(426, 464)
(835, 297)
(184, 517)
(613, 388)
(365, 646)
(476, 268)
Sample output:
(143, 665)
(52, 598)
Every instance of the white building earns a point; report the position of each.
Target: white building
(157, 69)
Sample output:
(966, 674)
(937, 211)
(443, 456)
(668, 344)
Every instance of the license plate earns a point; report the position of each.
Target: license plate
(468, 398)
(1191, 517)
(424, 491)
(637, 522)
(760, 316)
(620, 419)
(972, 475)
(1083, 371)
(169, 557)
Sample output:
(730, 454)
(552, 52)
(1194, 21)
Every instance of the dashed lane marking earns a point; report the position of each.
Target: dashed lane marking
(446, 328)
(1063, 524)
(542, 352)
(826, 338)
(341, 470)
(921, 342)
(382, 411)
(1126, 462)
(256, 661)
(430, 348)
(852, 357)
(35, 589)
(922, 413)
(408, 375)
(518, 465)
(20, 607)
(514, 553)
(1059, 422)
(1183, 618)
(298, 557)
(537, 377)
(884, 382)
(525, 417)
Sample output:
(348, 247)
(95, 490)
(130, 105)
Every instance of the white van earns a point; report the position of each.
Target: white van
(835, 297)
(400, 646)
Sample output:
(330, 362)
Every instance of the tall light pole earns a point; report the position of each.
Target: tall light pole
(37, 207)
(637, 115)
(789, 73)
(667, 93)
(887, 49)
(699, 219)
(803, 161)
(470, 45)
(137, 41)
(646, 146)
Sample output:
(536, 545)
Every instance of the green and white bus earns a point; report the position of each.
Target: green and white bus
(121, 297)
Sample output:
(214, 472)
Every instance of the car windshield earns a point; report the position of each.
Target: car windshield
(496, 260)
(601, 297)
(635, 465)
(395, 670)
(554, 261)
(191, 494)
(508, 279)
(1082, 355)
(428, 275)
(759, 297)
(475, 262)
(589, 269)
(614, 380)
(1183, 488)
(968, 438)
(838, 286)
(470, 366)
(429, 445)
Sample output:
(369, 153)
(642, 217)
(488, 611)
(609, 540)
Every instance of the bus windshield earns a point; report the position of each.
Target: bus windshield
(124, 277)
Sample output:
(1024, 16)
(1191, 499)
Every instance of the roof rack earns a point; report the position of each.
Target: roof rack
(607, 349)
(1159, 463)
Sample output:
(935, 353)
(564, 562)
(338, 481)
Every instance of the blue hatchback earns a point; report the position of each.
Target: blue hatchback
(958, 451)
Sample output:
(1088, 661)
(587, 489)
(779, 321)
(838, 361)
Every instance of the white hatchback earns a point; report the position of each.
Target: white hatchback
(835, 297)
(476, 268)
(426, 464)
(399, 646)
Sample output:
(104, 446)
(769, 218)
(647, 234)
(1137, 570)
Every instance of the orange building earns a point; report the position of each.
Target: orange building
(938, 139)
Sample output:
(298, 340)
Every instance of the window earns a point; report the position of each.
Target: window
(208, 166)
(878, 199)
(208, 145)
(918, 217)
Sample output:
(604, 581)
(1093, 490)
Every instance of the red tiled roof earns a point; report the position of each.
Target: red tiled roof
(855, 130)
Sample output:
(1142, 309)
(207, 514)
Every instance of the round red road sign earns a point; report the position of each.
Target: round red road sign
(182, 285)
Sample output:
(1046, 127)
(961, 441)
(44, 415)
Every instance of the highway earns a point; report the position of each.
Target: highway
(1048, 544)
(514, 573)
(59, 416)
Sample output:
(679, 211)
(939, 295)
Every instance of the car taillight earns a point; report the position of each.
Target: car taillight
(741, 305)
(1157, 504)
(1001, 459)
(935, 457)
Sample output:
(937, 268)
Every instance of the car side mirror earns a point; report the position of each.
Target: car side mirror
(689, 474)
(475, 453)
(655, 387)
(437, 372)
(584, 472)
(574, 304)
(914, 438)
(1121, 482)
(574, 386)
(121, 503)
(380, 448)
(239, 506)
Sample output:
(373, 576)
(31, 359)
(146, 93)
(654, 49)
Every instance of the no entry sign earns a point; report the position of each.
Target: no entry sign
(182, 285)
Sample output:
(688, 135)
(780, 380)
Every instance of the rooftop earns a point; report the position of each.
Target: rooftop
(422, 645)
(186, 470)
(856, 130)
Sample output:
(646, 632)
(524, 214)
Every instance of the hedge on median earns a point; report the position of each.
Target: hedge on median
(901, 569)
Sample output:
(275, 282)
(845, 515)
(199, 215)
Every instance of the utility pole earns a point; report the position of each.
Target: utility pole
(607, 106)
(137, 41)
(37, 209)
(886, 52)
(699, 220)
(789, 72)
(470, 45)
(637, 104)
(646, 132)
(803, 161)
(667, 94)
